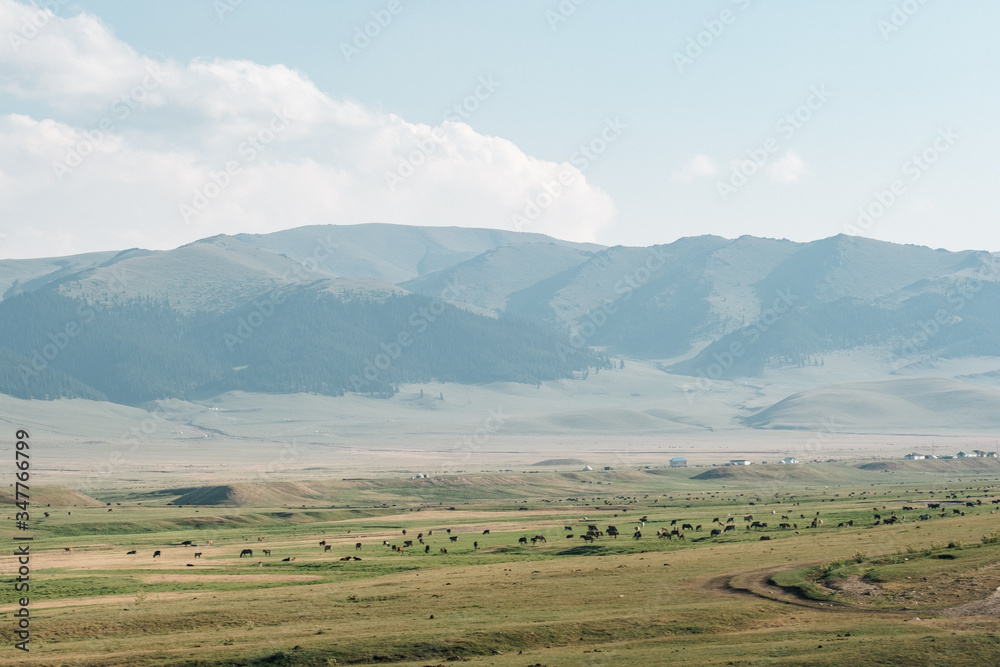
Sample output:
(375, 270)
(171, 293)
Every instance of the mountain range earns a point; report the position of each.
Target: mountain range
(366, 308)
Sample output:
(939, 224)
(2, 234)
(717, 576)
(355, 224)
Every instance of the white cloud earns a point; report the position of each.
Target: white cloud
(166, 132)
(698, 166)
(789, 168)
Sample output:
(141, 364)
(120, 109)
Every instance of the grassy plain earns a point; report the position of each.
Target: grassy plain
(490, 600)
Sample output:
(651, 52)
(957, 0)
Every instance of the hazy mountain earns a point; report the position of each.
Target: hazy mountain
(895, 406)
(308, 309)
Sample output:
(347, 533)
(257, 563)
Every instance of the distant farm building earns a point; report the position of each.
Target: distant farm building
(678, 462)
(587, 468)
(789, 459)
(916, 457)
(740, 462)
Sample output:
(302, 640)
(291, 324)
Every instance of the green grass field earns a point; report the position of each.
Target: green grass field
(827, 595)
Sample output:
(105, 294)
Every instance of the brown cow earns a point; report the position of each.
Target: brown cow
(68, 549)
(260, 539)
(443, 550)
(267, 552)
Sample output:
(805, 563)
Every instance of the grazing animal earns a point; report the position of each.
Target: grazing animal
(346, 558)
(925, 517)
(197, 554)
(189, 564)
(486, 532)
(956, 511)
(680, 536)
(538, 538)
(764, 537)
(729, 520)
(637, 535)
(407, 543)
(427, 549)
(453, 538)
(716, 532)
(327, 548)
(569, 536)
(687, 526)
(288, 560)
(698, 527)
(586, 538)
(323, 543)
(267, 552)
(130, 552)
(67, 549)
(730, 527)
(156, 553)
(443, 550)
(246, 552)
(448, 530)
(716, 520)
(210, 543)
(385, 543)
(567, 527)
(260, 539)
(475, 545)
(523, 540)
(355, 558)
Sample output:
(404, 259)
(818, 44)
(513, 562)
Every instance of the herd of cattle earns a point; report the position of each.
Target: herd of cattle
(718, 527)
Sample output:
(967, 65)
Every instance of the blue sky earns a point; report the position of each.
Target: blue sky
(697, 142)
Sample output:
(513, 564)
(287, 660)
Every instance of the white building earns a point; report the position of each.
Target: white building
(789, 459)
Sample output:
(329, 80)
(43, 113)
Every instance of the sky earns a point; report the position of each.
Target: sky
(158, 122)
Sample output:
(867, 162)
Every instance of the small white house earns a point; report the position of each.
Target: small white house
(789, 459)
(740, 462)
(965, 455)
(587, 468)
(915, 457)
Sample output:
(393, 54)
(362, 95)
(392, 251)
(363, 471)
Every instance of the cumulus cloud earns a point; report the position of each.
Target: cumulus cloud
(699, 166)
(789, 168)
(131, 151)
